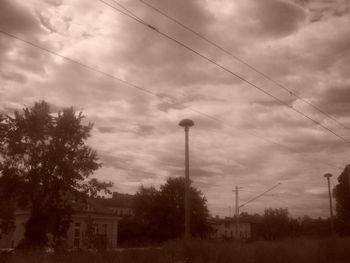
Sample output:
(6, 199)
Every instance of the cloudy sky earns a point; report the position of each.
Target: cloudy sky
(242, 136)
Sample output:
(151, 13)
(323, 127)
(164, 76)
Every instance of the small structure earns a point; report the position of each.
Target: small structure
(85, 215)
(227, 229)
(120, 204)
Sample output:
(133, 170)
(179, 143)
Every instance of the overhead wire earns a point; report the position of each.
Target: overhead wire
(139, 20)
(243, 62)
(90, 68)
(253, 199)
(93, 69)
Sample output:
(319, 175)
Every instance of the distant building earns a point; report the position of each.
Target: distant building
(229, 229)
(120, 204)
(105, 226)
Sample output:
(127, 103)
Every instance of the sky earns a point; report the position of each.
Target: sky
(251, 136)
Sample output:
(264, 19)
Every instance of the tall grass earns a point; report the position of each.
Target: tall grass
(198, 251)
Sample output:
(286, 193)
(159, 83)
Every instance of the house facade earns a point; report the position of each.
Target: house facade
(229, 228)
(104, 223)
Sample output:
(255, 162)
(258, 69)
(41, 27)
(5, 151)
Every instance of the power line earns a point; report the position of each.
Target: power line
(90, 68)
(127, 10)
(225, 69)
(242, 61)
(253, 199)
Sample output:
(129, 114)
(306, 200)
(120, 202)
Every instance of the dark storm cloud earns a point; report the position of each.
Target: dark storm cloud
(167, 105)
(335, 100)
(314, 142)
(116, 161)
(198, 173)
(20, 21)
(137, 136)
(106, 129)
(323, 9)
(272, 116)
(277, 17)
(54, 2)
(15, 18)
(190, 12)
(14, 76)
(157, 59)
(145, 130)
(45, 22)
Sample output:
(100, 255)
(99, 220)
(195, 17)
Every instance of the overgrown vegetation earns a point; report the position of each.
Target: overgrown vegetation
(44, 164)
(198, 251)
(158, 214)
(341, 192)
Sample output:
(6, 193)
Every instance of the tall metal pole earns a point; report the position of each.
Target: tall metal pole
(237, 213)
(187, 186)
(186, 123)
(348, 167)
(328, 175)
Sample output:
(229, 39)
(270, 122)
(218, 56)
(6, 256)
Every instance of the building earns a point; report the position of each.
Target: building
(120, 204)
(104, 223)
(228, 228)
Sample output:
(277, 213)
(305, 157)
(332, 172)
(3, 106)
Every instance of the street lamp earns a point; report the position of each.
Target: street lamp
(187, 123)
(328, 175)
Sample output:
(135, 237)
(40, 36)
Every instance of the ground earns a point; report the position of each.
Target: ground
(198, 251)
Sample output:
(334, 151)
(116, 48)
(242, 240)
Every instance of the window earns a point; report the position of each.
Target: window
(96, 229)
(76, 242)
(104, 229)
(77, 234)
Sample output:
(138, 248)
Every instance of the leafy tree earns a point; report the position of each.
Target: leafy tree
(143, 226)
(159, 214)
(94, 240)
(314, 227)
(44, 163)
(341, 192)
(275, 224)
(172, 198)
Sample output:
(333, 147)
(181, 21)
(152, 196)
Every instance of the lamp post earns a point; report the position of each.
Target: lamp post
(187, 123)
(328, 175)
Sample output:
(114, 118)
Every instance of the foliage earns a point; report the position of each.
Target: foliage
(275, 224)
(159, 214)
(202, 251)
(314, 227)
(44, 163)
(92, 239)
(172, 209)
(341, 192)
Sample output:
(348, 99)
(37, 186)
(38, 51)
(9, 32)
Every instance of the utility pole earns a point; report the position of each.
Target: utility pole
(328, 175)
(236, 191)
(348, 167)
(186, 123)
(237, 210)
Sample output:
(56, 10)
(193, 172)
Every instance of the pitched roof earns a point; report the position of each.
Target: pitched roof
(90, 206)
(117, 200)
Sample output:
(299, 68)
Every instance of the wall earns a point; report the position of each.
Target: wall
(227, 230)
(107, 224)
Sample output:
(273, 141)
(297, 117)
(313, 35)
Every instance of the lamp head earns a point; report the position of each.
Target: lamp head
(186, 123)
(328, 175)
